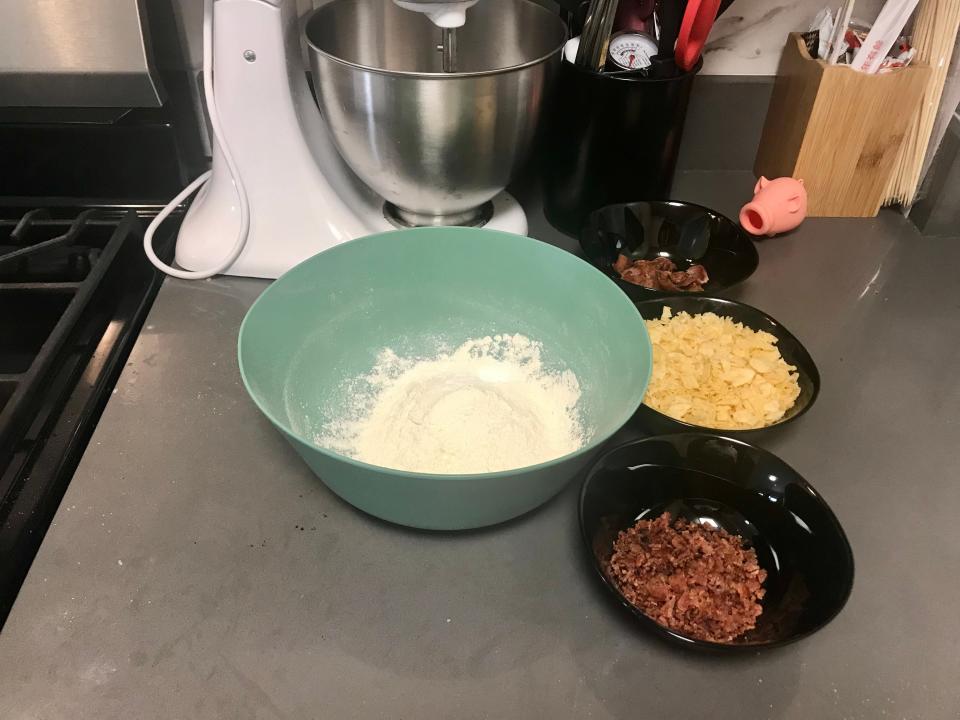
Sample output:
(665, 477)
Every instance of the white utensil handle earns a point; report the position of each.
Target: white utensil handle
(883, 35)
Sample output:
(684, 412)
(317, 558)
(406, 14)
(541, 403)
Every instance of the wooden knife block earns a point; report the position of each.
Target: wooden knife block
(837, 129)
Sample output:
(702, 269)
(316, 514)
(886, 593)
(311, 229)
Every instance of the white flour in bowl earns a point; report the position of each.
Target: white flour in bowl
(489, 405)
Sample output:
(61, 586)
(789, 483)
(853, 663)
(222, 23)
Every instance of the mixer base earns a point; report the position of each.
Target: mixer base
(401, 218)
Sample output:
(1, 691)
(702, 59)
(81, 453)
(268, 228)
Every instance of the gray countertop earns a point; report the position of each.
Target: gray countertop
(197, 569)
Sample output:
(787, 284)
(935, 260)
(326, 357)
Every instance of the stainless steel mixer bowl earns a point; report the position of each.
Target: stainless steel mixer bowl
(436, 145)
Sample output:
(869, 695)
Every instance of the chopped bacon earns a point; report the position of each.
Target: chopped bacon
(694, 579)
(661, 273)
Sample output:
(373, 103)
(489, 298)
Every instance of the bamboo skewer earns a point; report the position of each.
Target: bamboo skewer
(934, 35)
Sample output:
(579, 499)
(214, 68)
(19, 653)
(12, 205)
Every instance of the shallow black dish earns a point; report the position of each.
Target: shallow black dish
(653, 422)
(744, 490)
(683, 232)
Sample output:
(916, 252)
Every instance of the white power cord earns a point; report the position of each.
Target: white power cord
(241, 240)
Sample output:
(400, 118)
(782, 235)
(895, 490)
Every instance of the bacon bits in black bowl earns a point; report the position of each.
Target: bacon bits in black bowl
(714, 544)
(653, 248)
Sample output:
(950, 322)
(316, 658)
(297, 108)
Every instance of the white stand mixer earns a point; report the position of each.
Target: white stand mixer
(301, 197)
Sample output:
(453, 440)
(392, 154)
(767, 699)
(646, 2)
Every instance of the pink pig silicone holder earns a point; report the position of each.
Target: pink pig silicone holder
(778, 205)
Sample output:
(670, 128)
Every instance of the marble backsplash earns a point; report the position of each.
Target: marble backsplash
(748, 38)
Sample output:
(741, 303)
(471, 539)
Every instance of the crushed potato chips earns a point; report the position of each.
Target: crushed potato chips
(711, 371)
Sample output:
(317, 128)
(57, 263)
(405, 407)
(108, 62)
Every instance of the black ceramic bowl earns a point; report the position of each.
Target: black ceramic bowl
(743, 490)
(794, 353)
(683, 232)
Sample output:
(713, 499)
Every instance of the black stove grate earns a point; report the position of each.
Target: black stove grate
(75, 288)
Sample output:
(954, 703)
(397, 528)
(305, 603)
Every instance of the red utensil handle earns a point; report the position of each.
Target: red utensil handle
(697, 22)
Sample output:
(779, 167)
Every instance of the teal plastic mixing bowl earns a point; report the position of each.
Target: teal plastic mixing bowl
(325, 321)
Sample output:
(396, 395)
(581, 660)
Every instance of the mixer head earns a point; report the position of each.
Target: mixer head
(443, 13)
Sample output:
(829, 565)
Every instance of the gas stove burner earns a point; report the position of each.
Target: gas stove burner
(400, 218)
